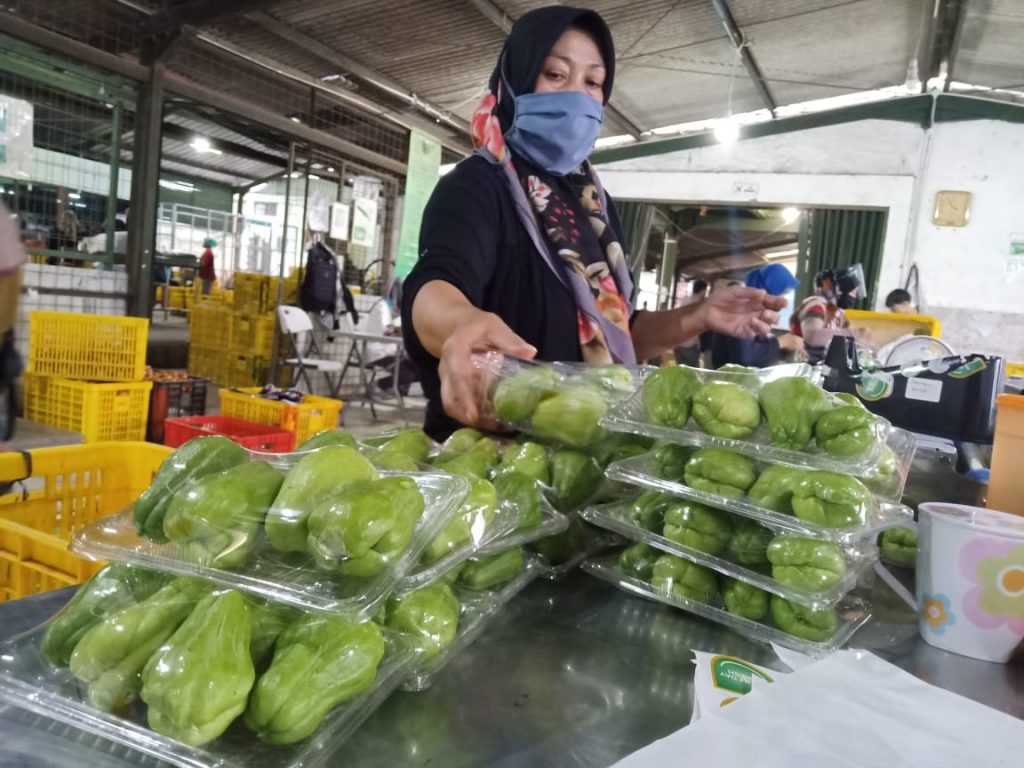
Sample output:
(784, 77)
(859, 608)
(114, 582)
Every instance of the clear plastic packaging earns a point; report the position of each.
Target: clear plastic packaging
(878, 515)
(897, 547)
(858, 558)
(288, 577)
(29, 681)
(851, 613)
(888, 478)
(558, 403)
(505, 521)
(631, 416)
(476, 610)
(554, 522)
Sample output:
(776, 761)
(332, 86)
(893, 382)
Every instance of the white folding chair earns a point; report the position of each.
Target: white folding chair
(294, 321)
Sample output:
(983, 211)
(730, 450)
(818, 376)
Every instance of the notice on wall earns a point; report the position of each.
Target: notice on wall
(339, 221)
(15, 138)
(424, 164)
(318, 217)
(364, 221)
(1015, 259)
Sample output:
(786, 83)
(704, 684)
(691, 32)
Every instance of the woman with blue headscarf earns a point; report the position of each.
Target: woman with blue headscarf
(520, 247)
(760, 351)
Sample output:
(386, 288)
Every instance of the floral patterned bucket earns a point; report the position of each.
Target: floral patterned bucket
(970, 580)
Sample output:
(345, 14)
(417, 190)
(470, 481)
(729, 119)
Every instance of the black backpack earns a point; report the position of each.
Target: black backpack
(319, 291)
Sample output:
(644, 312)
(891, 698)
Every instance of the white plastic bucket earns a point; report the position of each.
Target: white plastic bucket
(970, 580)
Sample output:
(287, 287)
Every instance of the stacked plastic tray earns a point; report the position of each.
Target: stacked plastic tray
(254, 559)
(771, 541)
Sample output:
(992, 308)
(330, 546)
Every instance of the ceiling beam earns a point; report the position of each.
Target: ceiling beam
(943, 23)
(228, 147)
(380, 81)
(503, 21)
(739, 250)
(742, 45)
(196, 13)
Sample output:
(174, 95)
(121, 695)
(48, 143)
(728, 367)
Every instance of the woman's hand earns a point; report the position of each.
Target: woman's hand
(741, 312)
(463, 385)
(452, 329)
(789, 342)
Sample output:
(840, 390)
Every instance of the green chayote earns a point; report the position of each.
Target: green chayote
(517, 397)
(726, 410)
(575, 478)
(899, 545)
(198, 682)
(809, 565)
(328, 437)
(462, 440)
(674, 577)
(803, 622)
(430, 614)
(697, 526)
(749, 543)
(522, 492)
(848, 430)
(530, 459)
(638, 561)
(721, 472)
(668, 461)
(831, 500)
(742, 599)
(792, 406)
(469, 524)
(357, 522)
(571, 418)
(667, 395)
(489, 572)
(774, 488)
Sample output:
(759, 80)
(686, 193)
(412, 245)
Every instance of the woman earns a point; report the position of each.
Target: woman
(820, 317)
(761, 351)
(520, 247)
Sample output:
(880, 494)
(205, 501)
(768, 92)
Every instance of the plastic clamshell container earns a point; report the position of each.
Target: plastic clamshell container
(554, 522)
(881, 515)
(852, 612)
(599, 385)
(30, 681)
(477, 608)
(631, 416)
(615, 518)
(594, 543)
(291, 577)
(506, 519)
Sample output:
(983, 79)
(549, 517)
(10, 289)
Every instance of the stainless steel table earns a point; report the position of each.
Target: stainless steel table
(572, 674)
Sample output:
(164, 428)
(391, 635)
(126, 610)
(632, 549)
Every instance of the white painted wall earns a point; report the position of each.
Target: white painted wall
(881, 164)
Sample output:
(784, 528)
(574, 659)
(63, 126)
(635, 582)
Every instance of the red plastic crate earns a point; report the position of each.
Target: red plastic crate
(258, 437)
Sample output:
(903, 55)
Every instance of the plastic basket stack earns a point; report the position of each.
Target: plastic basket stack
(85, 374)
(232, 340)
(242, 565)
(759, 505)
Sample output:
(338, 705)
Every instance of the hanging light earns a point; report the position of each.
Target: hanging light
(727, 130)
(789, 215)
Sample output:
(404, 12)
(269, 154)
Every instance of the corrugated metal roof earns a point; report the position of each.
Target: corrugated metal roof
(992, 45)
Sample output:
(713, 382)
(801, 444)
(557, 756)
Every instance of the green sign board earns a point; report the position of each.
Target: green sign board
(424, 162)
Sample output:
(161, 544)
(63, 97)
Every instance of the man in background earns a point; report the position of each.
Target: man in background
(12, 257)
(899, 301)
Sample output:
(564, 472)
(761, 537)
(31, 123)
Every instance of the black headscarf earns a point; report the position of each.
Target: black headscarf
(529, 43)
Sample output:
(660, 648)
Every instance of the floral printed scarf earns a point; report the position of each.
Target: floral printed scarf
(588, 260)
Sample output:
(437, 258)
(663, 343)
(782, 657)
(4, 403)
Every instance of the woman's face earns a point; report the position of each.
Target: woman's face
(574, 64)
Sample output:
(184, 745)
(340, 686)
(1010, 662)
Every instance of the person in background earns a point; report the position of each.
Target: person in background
(899, 301)
(760, 351)
(12, 258)
(521, 249)
(820, 317)
(207, 273)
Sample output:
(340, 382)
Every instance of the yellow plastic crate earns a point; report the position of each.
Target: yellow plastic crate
(315, 414)
(210, 326)
(253, 334)
(212, 364)
(246, 371)
(68, 488)
(886, 327)
(99, 411)
(1015, 369)
(250, 292)
(89, 347)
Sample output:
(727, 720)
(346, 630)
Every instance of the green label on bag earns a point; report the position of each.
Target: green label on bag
(875, 386)
(734, 674)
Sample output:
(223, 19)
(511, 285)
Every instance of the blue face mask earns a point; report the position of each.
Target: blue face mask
(555, 131)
